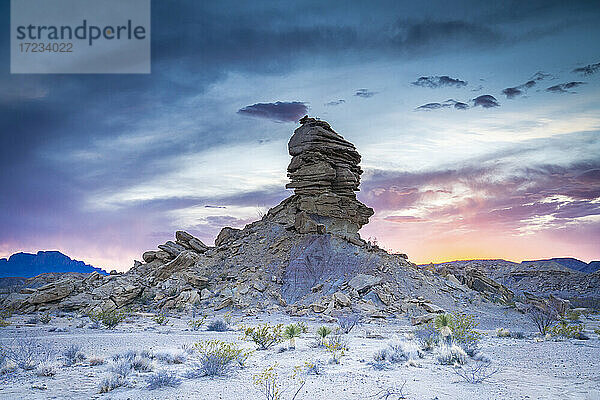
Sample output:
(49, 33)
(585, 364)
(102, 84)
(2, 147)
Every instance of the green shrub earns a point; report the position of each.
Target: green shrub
(217, 358)
(291, 332)
(502, 332)
(160, 319)
(565, 330)
(4, 322)
(45, 318)
(109, 319)
(573, 315)
(322, 333)
(272, 388)
(264, 336)
(464, 332)
(442, 320)
(195, 324)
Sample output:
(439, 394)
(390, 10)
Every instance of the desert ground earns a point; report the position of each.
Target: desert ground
(531, 367)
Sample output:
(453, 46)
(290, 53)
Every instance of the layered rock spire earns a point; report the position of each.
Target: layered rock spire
(325, 174)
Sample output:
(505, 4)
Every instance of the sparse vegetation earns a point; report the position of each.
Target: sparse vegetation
(322, 333)
(450, 355)
(112, 382)
(217, 358)
(28, 353)
(347, 322)
(45, 318)
(196, 323)
(464, 332)
(162, 379)
(543, 316)
(170, 357)
(391, 393)
(337, 345)
(292, 331)
(95, 361)
(46, 369)
(264, 336)
(161, 319)
(476, 372)
(109, 319)
(564, 329)
(218, 325)
(502, 332)
(269, 384)
(73, 355)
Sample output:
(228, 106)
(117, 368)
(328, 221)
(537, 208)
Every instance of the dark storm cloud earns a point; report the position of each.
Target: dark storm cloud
(280, 111)
(447, 104)
(438, 81)
(365, 93)
(335, 102)
(564, 87)
(485, 101)
(511, 93)
(589, 69)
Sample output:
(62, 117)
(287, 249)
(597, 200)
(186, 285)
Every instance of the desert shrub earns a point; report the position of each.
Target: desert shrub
(543, 316)
(45, 318)
(597, 331)
(442, 320)
(4, 322)
(396, 352)
(272, 388)
(73, 355)
(122, 368)
(314, 368)
(393, 392)
(564, 329)
(171, 357)
(142, 363)
(95, 361)
(162, 379)
(218, 325)
(426, 335)
(109, 319)
(476, 372)
(337, 345)
(264, 336)
(160, 319)
(28, 353)
(502, 332)
(450, 355)
(196, 323)
(322, 333)
(112, 382)
(347, 322)
(32, 321)
(464, 332)
(291, 332)
(46, 369)
(217, 358)
(187, 348)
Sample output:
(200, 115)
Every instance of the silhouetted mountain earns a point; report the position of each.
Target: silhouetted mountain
(572, 263)
(27, 265)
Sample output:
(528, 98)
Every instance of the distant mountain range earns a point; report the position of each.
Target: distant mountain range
(27, 265)
(571, 263)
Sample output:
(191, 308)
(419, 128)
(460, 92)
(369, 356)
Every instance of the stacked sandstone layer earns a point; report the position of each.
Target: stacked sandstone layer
(324, 174)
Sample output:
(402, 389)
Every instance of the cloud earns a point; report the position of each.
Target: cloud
(335, 102)
(485, 101)
(447, 104)
(403, 218)
(589, 69)
(365, 93)
(564, 87)
(279, 111)
(438, 81)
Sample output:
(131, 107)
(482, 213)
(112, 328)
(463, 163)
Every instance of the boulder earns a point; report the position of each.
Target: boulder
(174, 249)
(52, 292)
(196, 244)
(341, 299)
(226, 235)
(184, 260)
(362, 282)
(422, 319)
(227, 302)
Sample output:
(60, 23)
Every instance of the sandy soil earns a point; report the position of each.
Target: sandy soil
(527, 369)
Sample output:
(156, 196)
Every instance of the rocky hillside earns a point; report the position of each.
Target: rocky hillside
(569, 262)
(304, 256)
(27, 265)
(541, 278)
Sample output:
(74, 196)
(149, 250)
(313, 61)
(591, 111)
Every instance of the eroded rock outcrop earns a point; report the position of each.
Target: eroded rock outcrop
(305, 255)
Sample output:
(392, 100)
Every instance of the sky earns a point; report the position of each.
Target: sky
(478, 124)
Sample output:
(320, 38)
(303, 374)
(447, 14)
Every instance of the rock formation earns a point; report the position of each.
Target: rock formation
(324, 174)
(304, 256)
